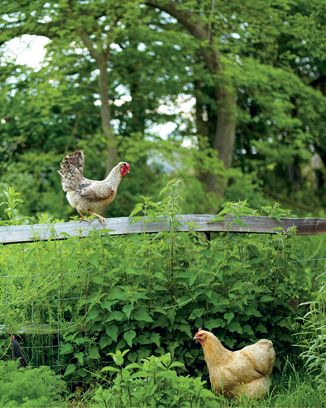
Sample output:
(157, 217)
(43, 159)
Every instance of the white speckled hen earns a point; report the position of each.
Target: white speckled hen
(242, 372)
(86, 195)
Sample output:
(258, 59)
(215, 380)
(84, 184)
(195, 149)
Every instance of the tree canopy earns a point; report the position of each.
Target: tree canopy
(240, 86)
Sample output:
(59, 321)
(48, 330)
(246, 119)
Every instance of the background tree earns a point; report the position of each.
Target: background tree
(250, 75)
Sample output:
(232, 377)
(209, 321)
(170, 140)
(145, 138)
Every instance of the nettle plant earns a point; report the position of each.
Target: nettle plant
(153, 382)
(150, 292)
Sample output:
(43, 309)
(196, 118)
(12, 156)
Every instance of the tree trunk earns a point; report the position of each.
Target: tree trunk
(224, 121)
(101, 58)
(106, 113)
(226, 124)
(205, 111)
(137, 107)
(136, 124)
(206, 126)
(221, 135)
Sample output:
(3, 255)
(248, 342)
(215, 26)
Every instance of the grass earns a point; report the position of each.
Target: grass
(298, 395)
(291, 389)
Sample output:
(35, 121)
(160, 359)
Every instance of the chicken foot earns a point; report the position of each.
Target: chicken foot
(82, 218)
(99, 217)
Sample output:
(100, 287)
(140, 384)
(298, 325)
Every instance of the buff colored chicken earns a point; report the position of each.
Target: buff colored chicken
(236, 373)
(86, 195)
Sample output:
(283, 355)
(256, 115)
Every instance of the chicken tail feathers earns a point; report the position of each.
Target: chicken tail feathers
(71, 170)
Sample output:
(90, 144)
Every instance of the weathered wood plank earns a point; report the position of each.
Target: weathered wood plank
(187, 222)
(31, 329)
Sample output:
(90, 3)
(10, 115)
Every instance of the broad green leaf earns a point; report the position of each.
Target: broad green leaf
(228, 316)
(105, 341)
(235, 327)
(197, 312)
(127, 309)
(118, 316)
(141, 314)
(129, 336)
(66, 348)
(93, 314)
(93, 354)
(80, 357)
(112, 332)
(138, 208)
(71, 368)
(260, 328)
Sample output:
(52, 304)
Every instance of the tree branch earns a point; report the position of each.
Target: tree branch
(89, 45)
(196, 28)
(186, 17)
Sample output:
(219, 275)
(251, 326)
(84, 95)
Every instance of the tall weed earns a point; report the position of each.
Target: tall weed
(313, 335)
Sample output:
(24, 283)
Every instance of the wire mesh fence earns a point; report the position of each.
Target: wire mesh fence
(32, 304)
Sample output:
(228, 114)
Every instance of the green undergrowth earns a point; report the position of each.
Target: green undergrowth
(159, 382)
(80, 299)
(301, 394)
(30, 387)
(312, 336)
(154, 382)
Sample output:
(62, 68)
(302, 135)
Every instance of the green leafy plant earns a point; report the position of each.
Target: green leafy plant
(150, 292)
(154, 382)
(232, 212)
(11, 206)
(30, 387)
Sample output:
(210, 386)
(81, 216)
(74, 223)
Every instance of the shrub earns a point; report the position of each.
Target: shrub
(152, 383)
(29, 387)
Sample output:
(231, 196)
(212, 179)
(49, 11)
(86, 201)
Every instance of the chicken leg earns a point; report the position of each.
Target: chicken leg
(99, 217)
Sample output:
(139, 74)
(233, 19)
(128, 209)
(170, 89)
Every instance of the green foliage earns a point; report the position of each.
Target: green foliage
(150, 292)
(169, 160)
(30, 387)
(11, 205)
(313, 335)
(158, 76)
(153, 382)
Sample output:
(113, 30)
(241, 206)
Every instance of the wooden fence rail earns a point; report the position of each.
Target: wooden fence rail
(187, 222)
(30, 329)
